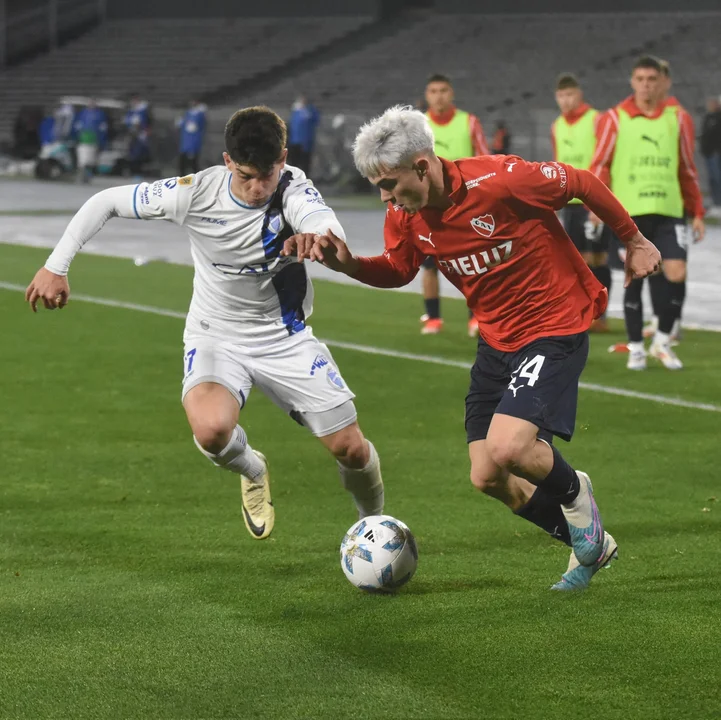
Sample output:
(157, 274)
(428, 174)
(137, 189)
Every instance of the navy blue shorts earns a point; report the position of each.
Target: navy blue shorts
(538, 383)
(574, 219)
(668, 234)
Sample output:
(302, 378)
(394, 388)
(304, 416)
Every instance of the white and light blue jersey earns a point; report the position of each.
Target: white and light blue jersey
(243, 290)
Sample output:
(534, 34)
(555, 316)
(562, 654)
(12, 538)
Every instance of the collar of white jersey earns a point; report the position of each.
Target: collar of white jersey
(237, 202)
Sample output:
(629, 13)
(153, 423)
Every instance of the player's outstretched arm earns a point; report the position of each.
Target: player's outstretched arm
(50, 284)
(167, 199)
(327, 249)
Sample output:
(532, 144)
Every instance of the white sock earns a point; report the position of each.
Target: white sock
(365, 485)
(579, 512)
(661, 338)
(237, 456)
(636, 347)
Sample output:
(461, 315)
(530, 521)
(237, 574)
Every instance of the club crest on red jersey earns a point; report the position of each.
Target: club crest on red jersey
(484, 225)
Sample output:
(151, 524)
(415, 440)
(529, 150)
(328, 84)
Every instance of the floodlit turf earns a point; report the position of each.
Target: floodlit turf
(129, 587)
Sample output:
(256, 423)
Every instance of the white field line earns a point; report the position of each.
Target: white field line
(370, 350)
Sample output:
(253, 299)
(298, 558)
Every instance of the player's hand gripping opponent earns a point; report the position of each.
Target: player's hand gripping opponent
(328, 249)
(52, 289)
(642, 259)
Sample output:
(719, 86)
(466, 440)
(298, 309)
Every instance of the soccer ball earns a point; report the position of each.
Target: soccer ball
(379, 554)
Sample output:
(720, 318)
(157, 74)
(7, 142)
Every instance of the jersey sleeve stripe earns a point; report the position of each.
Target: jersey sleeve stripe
(135, 205)
(313, 212)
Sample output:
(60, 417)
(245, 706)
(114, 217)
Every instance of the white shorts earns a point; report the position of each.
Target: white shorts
(299, 376)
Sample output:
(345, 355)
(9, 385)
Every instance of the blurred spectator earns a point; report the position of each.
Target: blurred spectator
(711, 149)
(91, 129)
(192, 131)
(46, 131)
(302, 126)
(138, 121)
(501, 143)
(64, 119)
(26, 139)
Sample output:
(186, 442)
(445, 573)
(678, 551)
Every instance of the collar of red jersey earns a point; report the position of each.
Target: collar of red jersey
(443, 118)
(574, 115)
(458, 185)
(633, 110)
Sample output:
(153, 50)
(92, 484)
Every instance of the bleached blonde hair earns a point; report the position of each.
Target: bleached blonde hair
(392, 140)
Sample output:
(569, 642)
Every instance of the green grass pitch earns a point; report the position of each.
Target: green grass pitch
(129, 587)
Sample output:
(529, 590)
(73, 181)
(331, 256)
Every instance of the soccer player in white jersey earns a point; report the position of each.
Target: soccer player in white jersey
(246, 325)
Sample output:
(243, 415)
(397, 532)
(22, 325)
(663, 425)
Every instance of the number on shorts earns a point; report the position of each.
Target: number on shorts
(189, 357)
(531, 369)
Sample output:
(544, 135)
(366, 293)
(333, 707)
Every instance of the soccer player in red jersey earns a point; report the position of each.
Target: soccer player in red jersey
(490, 222)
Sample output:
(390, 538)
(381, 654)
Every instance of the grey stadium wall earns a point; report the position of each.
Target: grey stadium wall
(125, 9)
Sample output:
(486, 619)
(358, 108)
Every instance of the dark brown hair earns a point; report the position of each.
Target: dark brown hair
(649, 62)
(256, 136)
(566, 81)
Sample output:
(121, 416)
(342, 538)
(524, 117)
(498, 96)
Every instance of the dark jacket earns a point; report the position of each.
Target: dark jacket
(711, 134)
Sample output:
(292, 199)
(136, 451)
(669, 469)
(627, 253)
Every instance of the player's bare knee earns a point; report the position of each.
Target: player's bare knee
(675, 274)
(212, 434)
(508, 452)
(349, 447)
(483, 480)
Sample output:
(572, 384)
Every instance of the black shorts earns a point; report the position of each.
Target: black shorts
(574, 218)
(538, 383)
(429, 263)
(668, 234)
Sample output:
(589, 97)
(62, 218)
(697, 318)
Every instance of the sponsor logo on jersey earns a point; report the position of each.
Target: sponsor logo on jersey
(553, 171)
(484, 225)
(478, 263)
(320, 362)
(213, 221)
(423, 238)
(187, 180)
(252, 268)
(477, 181)
(170, 183)
(550, 172)
(313, 196)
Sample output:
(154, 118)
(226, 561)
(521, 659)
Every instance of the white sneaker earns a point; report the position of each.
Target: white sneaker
(636, 357)
(668, 357)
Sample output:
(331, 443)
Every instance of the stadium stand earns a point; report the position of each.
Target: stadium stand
(166, 61)
(495, 74)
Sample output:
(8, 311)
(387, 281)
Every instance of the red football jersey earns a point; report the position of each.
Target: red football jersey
(501, 244)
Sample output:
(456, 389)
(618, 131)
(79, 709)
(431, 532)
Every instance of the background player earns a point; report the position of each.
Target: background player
(458, 134)
(646, 154)
(498, 240)
(574, 138)
(247, 320)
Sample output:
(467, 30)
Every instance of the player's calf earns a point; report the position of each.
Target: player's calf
(359, 468)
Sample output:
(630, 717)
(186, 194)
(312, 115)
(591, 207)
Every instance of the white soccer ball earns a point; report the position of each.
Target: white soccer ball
(379, 554)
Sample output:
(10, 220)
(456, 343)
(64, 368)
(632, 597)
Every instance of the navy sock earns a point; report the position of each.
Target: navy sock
(676, 294)
(658, 285)
(633, 311)
(561, 484)
(546, 512)
(433, 307)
